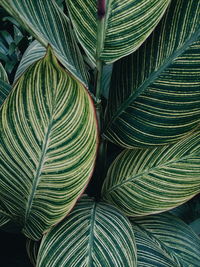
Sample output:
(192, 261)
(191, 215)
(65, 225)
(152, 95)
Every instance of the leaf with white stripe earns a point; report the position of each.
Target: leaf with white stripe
(112, 29)
(155, 92)
(146, 181)
(94, 234)
(5, 87)
(32, 248)
(34, 52)
(49, 25)
(164, 240)
(48, 133)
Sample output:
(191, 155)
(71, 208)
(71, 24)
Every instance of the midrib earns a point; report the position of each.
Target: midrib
(36, 178)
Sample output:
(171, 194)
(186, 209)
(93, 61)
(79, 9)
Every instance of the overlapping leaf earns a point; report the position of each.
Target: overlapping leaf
(147, 181)
(48, 145)
(34, 52)
(126, 25)
(94, 234)
(164, 240)
(49, 25)
(155, 96)
(5, 87)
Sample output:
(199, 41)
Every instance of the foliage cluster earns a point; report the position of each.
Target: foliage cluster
(99, 130)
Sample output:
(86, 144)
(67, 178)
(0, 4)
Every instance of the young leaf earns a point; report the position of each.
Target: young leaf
(94, 234)
(164, 240)
(126, 25)
(49, 142)
(146, 181)
(155, 96)
(49, 25)
(34, 52)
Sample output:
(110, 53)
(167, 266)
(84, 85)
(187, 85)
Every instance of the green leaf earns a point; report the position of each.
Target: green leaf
(146, 181)
(34, 52)
(164, 240)
(32, 248)
(4, 218)
(49, 25)
(155, 96)
(124, 27)
(3, 74)
(49, 142)
(94, 234)
(5, 87)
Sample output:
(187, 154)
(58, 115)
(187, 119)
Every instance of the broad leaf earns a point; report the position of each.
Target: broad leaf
(95, 234)
(147, 181)
(112, 29)
(49, 141)
(155, 96)
(164, 240)
(49, 25)
(34, 52)
(5, 87)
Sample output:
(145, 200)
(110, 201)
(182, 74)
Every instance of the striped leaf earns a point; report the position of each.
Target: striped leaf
(146, 181)
(112, 29)
(49, 25)
(3, 74)
(34, 52)
(95, 234)
(4, 218)
(164, 240)
(155, 96)
(5, 87)
(32, 248)
(49, 141)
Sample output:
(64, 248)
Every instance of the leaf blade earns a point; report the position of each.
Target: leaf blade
(147, 181)
(154, 97)
(126, 25)
(49, 142)
(47, 22)
(94, 234)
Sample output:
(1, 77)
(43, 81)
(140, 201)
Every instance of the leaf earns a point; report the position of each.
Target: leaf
(4, 218)
(34, 52)
(49, 25)
(124, 27)
(32, 248)
(94, 234)
(49, 142)
(5, 87)
(146, 181)
(3, 74)
(155, 96)
(164, 240)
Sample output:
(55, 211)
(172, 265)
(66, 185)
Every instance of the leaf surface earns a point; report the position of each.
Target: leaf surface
(124, 27)
(164, 240)
(94, 234)
(146, 181)
(49, 142)
(34, 52)
(49, 25)
(5, 87)
(155, 92)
